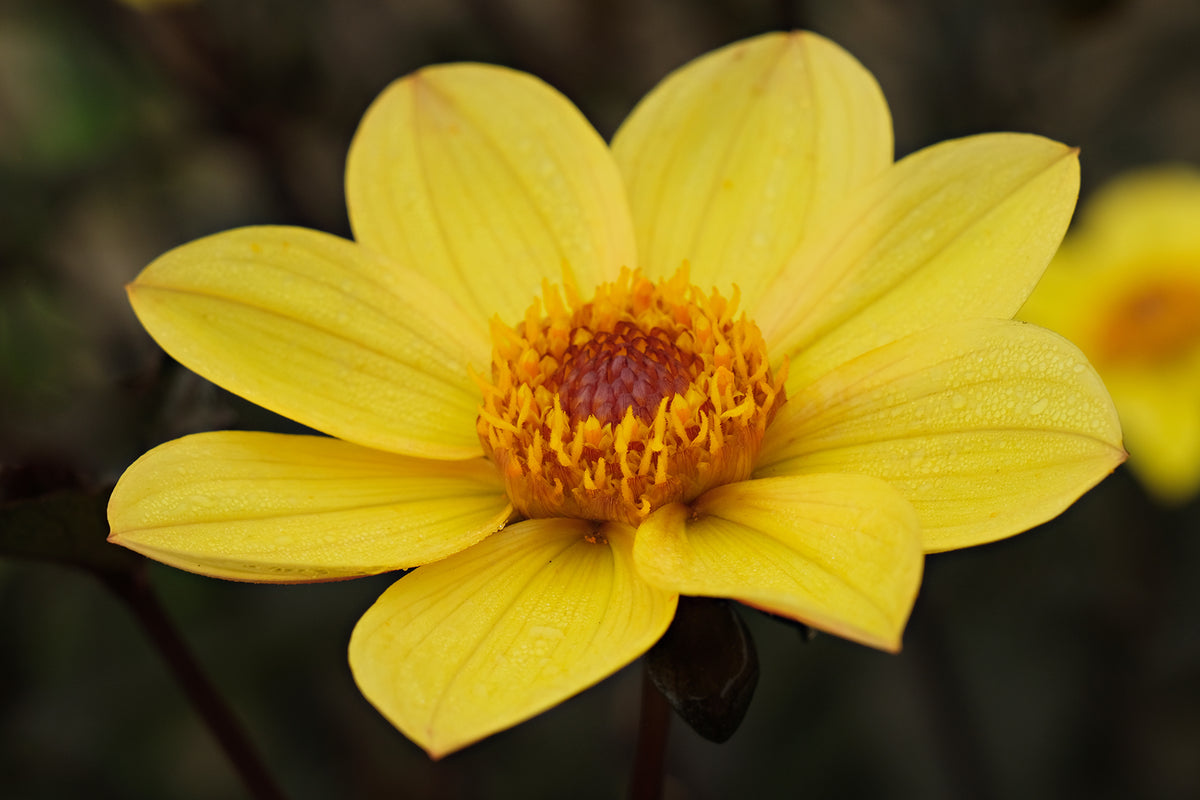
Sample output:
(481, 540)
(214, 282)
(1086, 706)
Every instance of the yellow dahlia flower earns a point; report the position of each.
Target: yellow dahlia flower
(740, 353)
(1126, 287)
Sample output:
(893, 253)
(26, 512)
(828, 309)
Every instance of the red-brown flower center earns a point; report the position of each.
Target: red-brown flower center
(620, 370)
(646, 395)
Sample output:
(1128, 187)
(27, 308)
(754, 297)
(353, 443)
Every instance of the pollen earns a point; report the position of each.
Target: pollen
(648, 394)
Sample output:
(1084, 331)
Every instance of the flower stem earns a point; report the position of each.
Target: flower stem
(134, 588)
(653, 726)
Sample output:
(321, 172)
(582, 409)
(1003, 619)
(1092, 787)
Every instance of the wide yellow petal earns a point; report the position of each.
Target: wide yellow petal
(959, 230)
(1070, 299)
(487, 181)
(289, 509)
(1124, 287)
(988, 427)
(737, 157)
(317, 329)
(841, 553)
(469, 646)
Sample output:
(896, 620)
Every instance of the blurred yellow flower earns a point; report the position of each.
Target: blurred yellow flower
(1126, 288)
(740, 354)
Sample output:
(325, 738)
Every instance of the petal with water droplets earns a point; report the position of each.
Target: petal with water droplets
(270, 507)
(838, 552)
(960, 230)
(487, 181)
(739, 156)
(324, 332)
(458, 650)
(988, 427)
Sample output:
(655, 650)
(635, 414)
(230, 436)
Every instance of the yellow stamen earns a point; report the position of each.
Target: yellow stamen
(606, 410)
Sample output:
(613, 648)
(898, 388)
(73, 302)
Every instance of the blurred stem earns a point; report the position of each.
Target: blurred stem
(43, 517)
(653, 726)
(133, 586)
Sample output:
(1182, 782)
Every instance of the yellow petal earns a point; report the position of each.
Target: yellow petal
(1160, 415)
(956, 231)
(736, 158)
(988, 427)
(841, 553)
(1124, 287)
(317, 329)
(487, 181)
(461, 649)
(289, 509)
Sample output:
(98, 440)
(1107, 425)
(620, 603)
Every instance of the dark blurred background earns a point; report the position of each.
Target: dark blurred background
(1064, 662)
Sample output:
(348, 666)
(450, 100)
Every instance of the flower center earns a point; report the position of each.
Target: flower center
(647, 395)
(1157, 323)
(625, 369)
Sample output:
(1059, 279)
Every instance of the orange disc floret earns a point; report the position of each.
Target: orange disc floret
(648, 394)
